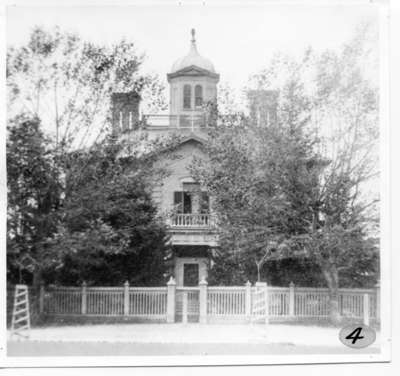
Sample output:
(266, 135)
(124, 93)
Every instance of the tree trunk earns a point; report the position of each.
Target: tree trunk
(37, 277)
(334, 314)
(332, 278)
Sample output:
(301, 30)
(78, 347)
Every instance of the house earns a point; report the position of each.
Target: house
(186, 205)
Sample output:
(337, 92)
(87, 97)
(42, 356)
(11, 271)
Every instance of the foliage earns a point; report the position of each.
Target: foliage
(33, 197)
(298, 189)
(71, 208)
(231, 271)
(67, 83)
(260, 178)
(343, 233)
(110, 231)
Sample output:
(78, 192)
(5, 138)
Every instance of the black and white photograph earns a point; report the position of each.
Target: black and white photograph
(196, 183)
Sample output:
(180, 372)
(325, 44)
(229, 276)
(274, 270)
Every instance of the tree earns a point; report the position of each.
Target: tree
(343, 231)
(33, 199)
(67, 83)
(297, 189)
(258, 176)
(110, 231)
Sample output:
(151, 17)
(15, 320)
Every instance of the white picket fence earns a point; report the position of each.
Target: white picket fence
(219, 302)
(285, 303)
(226, 302)
(149, 302)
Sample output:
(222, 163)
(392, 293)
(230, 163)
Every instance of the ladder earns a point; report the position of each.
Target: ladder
(259, 311)
(21, 323)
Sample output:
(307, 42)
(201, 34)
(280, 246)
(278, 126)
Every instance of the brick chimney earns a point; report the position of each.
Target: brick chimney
(125, 111)
(263, 106)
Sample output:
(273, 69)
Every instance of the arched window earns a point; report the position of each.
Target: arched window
(187, 96)
(198, 95)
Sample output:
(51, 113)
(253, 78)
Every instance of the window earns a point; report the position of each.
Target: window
(204, 203)
(183, 202)
(198, 95)
(187, 96)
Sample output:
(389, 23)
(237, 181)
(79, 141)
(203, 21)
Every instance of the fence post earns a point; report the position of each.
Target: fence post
(366, 309)
(84, 298)
(291, 299)
(41, 298)
(248, 301)
(266, 304)
(203, 301)
(171, 286)
(185, 307)
(378, 301)
(126, 298)
(263, 286)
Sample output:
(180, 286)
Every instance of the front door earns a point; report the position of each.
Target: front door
(190, 274)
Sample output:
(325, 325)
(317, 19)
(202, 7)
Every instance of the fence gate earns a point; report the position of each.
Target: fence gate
(187, 304)
(260, 306)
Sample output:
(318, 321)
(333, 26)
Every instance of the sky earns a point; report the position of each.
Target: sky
(239, 39)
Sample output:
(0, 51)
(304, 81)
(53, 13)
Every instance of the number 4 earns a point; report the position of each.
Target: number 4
(355, 335)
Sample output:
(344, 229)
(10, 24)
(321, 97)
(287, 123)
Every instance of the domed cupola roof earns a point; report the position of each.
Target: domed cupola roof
(193, 58)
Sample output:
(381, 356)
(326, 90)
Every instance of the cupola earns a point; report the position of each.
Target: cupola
(193, 82)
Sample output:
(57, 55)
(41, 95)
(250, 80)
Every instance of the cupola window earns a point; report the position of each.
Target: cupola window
(198, 95)
(187, 96)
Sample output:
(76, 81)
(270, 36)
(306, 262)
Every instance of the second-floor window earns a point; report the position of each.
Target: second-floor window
(187, 96)
(183, 202)
(198, 95)
(191, 203)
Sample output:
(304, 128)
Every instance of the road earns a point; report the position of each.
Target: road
(45, 348)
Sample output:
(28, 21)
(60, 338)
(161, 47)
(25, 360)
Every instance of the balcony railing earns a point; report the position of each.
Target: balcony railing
(191, 121)
(192, 221)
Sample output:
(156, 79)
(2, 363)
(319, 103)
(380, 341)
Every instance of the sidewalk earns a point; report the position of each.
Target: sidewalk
(194, 334)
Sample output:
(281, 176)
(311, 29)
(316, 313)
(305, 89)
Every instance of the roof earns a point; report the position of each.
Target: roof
(193, 58)
(192, 137)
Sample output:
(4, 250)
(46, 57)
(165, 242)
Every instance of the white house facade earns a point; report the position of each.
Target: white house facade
(181, 200)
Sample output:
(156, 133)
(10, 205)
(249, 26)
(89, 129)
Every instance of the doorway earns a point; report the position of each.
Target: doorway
(190, 275)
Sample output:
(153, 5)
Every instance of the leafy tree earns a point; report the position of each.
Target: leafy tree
(67, 83)
(33, 199)
(290, 190)
(343, 232)
(258, 177)
(110, 231)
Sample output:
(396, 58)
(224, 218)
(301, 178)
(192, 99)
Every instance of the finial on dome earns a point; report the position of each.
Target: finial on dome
(193, 47)
(193, 31)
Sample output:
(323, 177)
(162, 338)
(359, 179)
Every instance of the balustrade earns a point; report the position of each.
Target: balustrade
(192, 220)
(177, 121)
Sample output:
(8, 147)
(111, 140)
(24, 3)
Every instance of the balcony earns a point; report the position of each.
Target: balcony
(192, 221)
(193, 229)
(190, 121)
